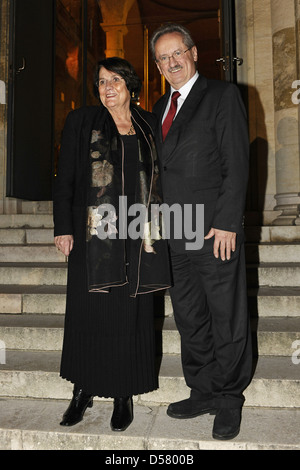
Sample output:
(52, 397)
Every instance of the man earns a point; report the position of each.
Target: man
(204, 159)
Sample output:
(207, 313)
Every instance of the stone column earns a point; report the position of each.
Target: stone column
(114, 14)
(114, 39)
(285, 72)
(7, 205)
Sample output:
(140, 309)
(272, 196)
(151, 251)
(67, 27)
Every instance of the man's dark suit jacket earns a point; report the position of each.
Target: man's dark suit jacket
(204, 157)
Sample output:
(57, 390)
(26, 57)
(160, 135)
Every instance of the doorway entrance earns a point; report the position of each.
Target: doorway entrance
(54, 46)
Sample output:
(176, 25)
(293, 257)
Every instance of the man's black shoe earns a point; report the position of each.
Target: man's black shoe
(227, 423)
(189, 409)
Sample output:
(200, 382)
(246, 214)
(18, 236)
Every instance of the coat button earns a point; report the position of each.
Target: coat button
(165, 168)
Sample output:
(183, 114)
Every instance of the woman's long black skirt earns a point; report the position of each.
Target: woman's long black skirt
(109, 343)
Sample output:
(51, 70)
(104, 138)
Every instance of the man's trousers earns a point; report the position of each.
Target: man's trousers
(209, 299)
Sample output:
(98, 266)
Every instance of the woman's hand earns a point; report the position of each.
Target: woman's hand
(64, 243)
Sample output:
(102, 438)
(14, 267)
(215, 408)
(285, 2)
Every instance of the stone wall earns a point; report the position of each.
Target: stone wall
(268, 40)
(254, 44)
(285, 72)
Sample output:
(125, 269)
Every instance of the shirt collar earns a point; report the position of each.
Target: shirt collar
(185, 89)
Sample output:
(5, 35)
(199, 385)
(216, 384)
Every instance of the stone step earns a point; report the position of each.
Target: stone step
(34, 425)
(25, 227)
(43, 299)
(23, 236)
(276, 336)
(253, 233)
(26, 221)
(271, 336)
(274, 252)
(22, 231)
(273, 275)
(36, 245)
(263, 302)
(35, 374)
(272, 234)
(39, 229)
(268, 274)
(32, 332)
(33, 274)
(31, 254)
(32, 299)
(274, 301)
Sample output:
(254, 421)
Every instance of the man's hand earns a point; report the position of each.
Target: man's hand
(64, 243)
(224, 244)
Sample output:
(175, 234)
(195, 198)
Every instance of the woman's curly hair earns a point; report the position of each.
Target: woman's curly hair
(123, 68)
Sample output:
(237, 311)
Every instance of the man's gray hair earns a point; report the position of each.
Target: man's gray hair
(171, 28)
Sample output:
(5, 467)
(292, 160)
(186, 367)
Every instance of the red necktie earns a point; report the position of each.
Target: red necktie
(171, 113)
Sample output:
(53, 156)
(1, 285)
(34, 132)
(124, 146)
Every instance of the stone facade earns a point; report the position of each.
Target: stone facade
(115, 14)
(268, 40)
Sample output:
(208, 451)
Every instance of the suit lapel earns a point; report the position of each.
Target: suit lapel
(185, 113)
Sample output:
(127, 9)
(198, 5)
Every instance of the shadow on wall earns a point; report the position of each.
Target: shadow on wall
(258, 164)
(255, 200)
(287, 160)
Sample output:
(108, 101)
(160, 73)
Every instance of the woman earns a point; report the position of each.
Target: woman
(107, 164)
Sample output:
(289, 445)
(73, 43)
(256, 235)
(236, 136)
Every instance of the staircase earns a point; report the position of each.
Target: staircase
(33, 397)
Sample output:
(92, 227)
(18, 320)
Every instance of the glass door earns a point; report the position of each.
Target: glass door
(80, 43)
(30, 94)
(54, 46)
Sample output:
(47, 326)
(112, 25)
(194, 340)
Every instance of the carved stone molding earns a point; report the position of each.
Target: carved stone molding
(114, 14)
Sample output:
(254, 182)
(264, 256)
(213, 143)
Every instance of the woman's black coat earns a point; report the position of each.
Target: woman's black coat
(148, 272)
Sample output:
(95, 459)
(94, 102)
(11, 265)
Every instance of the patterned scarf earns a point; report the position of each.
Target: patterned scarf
(106, 256)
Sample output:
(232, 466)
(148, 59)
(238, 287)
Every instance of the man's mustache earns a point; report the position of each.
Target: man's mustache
(175, 69)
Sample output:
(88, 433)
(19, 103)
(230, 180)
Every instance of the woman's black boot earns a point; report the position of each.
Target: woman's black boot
(77, 407)
(122, 415)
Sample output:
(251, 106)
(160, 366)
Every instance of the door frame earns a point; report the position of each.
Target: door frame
(229, 60)
(17, 65)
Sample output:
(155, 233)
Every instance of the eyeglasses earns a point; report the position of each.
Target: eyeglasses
(165, 59)
(114, 81)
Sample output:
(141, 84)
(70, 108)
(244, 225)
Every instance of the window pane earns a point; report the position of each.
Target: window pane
(96, 42)
(68, 62)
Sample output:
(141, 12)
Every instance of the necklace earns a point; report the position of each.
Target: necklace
(131, 130)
